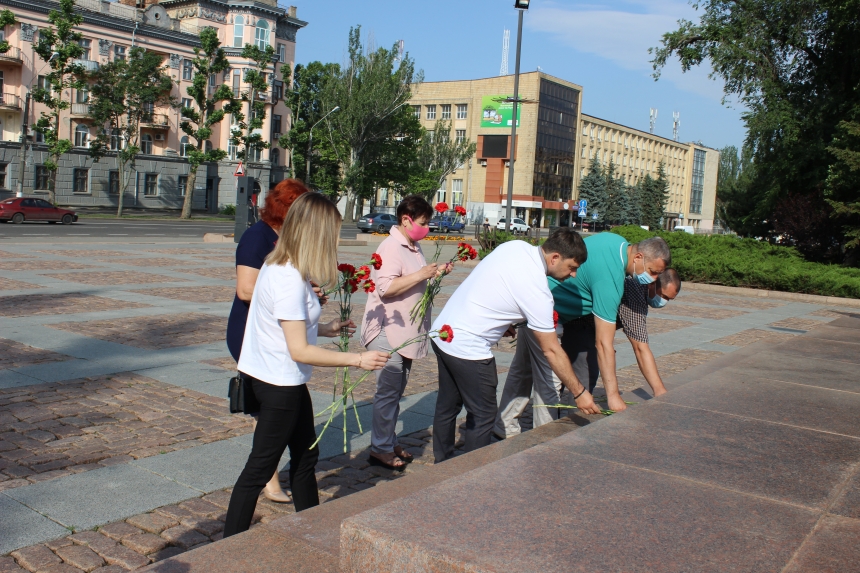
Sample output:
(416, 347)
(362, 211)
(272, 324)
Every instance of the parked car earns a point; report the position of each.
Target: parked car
(23, 209)
(686, 229)
(379, 222)
(445, 224)
(517, 225)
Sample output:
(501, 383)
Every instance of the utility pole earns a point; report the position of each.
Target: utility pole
(521, 6)
(25, 129)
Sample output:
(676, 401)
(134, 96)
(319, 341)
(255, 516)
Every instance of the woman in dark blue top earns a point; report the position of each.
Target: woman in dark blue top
(254, 246)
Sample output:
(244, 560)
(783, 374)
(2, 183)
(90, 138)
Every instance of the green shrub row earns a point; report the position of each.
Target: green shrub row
(733, 261)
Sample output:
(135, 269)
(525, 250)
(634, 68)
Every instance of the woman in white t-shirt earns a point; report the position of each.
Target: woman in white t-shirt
(279, 352)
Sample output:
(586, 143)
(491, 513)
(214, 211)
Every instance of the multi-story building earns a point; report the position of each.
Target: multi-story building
(170, 28)
(555, 143)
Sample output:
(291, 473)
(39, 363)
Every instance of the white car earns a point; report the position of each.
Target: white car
(685, 228)
(517, 225)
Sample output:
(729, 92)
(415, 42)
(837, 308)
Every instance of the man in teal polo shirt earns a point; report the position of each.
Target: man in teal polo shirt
(587, 305)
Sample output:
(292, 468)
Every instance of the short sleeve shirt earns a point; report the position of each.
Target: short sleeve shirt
(507, 287)
(254, 246)
(633, 312)
(280, 294)
(598, 285)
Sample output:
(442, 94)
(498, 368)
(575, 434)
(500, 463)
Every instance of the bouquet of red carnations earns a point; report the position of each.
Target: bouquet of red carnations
(446, 334)
(465, 252)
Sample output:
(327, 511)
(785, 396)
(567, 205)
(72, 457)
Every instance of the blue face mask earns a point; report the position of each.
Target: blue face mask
(644, 278)
(657, 301)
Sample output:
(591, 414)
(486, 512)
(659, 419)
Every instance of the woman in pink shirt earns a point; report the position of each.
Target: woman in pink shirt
(400, 282)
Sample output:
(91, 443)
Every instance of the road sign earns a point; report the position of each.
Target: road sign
(582, 213)
(240, 170)
(566, 206)
(594, 216)
(583, 204)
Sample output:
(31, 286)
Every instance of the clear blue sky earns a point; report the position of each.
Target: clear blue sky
(601, 46)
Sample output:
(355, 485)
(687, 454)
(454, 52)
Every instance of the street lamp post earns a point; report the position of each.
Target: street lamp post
(25, 129)
(311, 143)
(521, 6)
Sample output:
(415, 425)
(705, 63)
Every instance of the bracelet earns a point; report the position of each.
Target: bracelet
(581, 393)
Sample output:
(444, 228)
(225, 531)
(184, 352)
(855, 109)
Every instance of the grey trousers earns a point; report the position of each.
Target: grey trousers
(390, 385)
(531, 377)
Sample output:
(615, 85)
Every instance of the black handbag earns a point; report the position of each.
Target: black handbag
(242, 397)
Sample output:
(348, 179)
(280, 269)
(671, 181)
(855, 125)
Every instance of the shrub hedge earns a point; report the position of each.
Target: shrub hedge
(733, 261)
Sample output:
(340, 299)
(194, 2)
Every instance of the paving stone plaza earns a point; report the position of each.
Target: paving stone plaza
(117, 449)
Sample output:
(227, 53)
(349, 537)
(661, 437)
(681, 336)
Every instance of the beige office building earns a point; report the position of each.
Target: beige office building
(555, 143)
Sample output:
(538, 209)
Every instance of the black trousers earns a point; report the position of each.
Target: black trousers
(464, 382)
(579, 342)
(286, 419)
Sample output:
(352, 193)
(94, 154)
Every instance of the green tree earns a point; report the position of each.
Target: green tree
(592, 188)
(390, 163)
(246, 130)
(369, 91)
(305, 101)
(789, 63)
(123, 95)
(634, 210)
(209, 62)
(440, 153)
(843, 183)
(653, 194)
(7, 18)
(617, 207)
(59, 47)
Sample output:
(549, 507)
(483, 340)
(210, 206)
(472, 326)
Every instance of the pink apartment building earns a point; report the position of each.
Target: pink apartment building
(169, 28)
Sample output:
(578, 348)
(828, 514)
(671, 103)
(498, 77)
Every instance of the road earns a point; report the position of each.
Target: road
(128, 229)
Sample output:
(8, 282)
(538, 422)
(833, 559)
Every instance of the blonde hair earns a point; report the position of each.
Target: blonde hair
(308, 239)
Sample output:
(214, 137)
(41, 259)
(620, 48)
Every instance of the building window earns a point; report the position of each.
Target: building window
(146, 144)
(150, 184)
(187, 69)
(207, 146)
(275, 157)
(85, 44)
(446, 111)
(43, 84)
(3, 175)
(440, 194)
(184, 145)
(237, 82)
(82, 95)
(42, 178)
(187, 102)
(115, 140)
(113, 182)
(255, 154)
(238, 32)
(81, 179)
(276, 125)
(461, 135)
(698, 181)
(457, 191)
(82, 136)
(461, 110)
(183, 185)
(431, 112)
(232, 150)
(119, 53)
(416, 111)
(277, 91)
(282, 53)
(262, 36)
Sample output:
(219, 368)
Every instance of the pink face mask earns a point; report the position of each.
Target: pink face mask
(417, 232)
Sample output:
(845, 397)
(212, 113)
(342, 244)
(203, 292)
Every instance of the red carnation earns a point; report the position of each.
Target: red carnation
(376, 261)
(460, 210)
(554, 319)
(363, 272)
(346, 268)
(442, 207)
(369, 286)
(353, 285)
(446, 333)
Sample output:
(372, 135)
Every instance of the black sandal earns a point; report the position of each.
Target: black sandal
(374, 461)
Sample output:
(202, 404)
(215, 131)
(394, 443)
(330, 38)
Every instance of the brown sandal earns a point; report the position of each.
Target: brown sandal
(374, 461)
(404, 455)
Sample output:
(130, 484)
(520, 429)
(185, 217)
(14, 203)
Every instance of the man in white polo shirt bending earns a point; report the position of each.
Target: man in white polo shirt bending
(508, 287)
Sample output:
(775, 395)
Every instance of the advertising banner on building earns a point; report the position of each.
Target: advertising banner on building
(496, 112)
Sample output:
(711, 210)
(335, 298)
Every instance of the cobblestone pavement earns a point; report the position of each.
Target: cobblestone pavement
(153, 332)
(129, 374)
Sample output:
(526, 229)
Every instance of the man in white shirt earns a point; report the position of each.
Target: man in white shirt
(508, 287)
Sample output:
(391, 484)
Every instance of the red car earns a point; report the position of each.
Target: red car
(32, 209)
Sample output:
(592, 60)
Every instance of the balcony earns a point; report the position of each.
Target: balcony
(88, 65)
(12, 56)
(155, 121)
(80, 110)
(10, 102)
